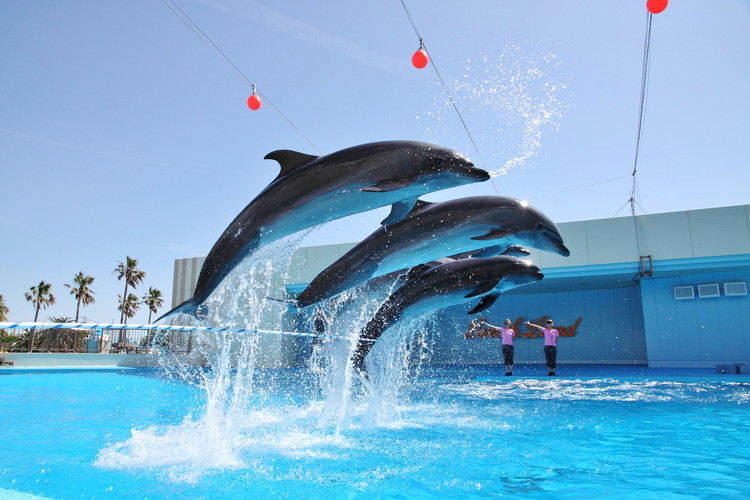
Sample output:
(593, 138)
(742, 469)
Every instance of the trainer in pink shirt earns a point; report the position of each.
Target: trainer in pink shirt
(550, 344)
(550, 336)
(507, 334)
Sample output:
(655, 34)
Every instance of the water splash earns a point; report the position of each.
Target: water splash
(510, 99)
(242, 419)
(215, 435)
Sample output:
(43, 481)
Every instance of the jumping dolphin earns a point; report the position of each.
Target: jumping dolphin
(400, 277)
(311, 190)
(445, 285)
(482, 226)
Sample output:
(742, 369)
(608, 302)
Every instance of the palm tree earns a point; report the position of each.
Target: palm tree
(81, 291)
(128, 307)
(3, 310)
(41, 297)
(153, 299)
(57, 339)
(133, 277)
(4, 337)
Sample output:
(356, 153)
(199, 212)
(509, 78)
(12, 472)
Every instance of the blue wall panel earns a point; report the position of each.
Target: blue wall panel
(611, 328)
(699, 331)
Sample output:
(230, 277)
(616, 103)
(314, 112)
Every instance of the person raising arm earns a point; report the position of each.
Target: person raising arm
(507, 334)
(550, 344)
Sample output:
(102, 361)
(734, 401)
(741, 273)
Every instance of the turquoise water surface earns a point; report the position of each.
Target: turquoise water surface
(458, 432)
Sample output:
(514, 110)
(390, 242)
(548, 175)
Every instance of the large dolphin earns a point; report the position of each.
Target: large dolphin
(445, 285)
(311, 190)
(484, 225)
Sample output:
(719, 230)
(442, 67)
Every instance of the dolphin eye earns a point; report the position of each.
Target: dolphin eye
(539, 227)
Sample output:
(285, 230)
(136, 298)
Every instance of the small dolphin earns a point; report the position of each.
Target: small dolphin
(311, 190)
(481, 226)
(445, 285)
(400, 277)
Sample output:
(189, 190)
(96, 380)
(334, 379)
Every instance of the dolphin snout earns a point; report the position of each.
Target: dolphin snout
(553, 242)
(527, 276)
(561, 248)
(534, 274)
(476, 172)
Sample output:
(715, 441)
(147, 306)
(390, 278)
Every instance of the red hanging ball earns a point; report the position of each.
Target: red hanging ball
(253, 102)
(656, 6)
(420, 59)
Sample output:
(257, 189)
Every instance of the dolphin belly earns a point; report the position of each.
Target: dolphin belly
(384, 254)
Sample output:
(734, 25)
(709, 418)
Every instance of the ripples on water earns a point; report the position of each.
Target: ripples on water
(239, 431)
(449, 432)
(434, 432)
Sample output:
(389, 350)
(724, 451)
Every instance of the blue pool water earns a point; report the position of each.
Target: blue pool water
(458, 432)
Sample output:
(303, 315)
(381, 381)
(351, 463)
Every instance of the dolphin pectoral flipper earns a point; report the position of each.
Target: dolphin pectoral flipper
(495, 234)
(398, 211)
(484, 287)
(289, 161)
(386, 185)
(516, 251)
(404, 208)
(486, 302)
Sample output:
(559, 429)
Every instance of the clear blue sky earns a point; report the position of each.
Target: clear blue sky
(122, 133)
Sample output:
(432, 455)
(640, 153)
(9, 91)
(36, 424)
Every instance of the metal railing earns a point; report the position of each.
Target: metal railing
(110, 338)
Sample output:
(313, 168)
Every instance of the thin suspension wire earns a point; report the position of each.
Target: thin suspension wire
(447, 91)
(411, 21)
(641, 118)
(199, 32)
(641, 110)
(618, 212)
(579, 186)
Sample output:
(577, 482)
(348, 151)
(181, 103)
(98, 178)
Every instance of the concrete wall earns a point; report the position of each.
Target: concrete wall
(603, 326)
(622, 321)
(71, 360)
(674, 235)
(698, 332)
(307, 262)
(186, 273)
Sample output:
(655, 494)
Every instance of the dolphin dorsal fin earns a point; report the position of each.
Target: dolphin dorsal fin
(289, 161)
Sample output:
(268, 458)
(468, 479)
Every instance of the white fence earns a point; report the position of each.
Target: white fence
(106, 337)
